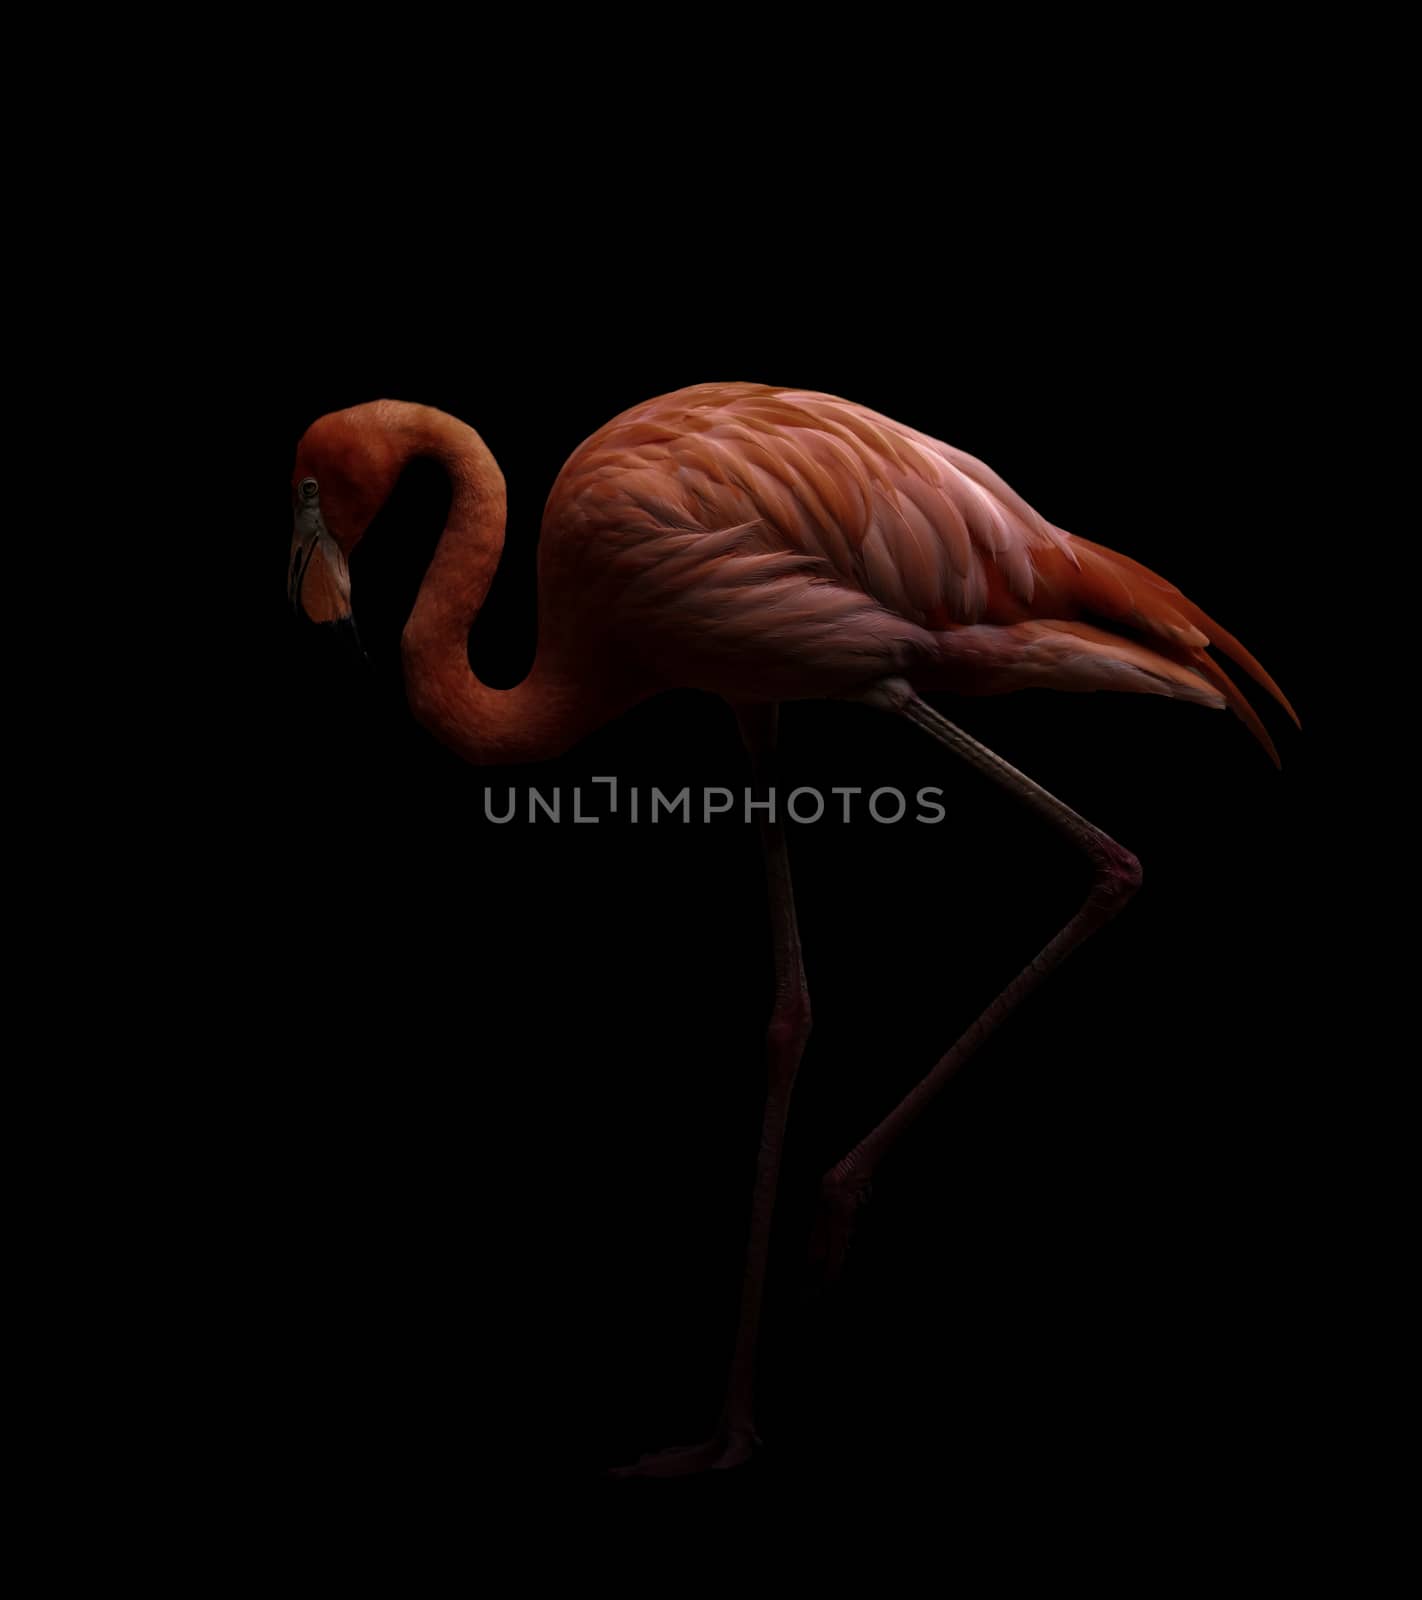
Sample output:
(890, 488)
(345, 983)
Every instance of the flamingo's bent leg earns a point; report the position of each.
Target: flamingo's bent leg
(1116, 876)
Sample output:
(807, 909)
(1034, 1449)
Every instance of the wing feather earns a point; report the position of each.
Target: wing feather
(881, 524)
(926, 530)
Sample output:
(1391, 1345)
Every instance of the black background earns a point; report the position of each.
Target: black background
(500, 1086)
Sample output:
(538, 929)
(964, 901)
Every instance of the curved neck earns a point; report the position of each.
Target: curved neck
(558, 703)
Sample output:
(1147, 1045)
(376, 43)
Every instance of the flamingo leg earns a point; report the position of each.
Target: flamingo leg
(786, 1036)
(1116, 874)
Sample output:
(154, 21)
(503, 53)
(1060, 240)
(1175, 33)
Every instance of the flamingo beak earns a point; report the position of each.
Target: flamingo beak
(318, 580)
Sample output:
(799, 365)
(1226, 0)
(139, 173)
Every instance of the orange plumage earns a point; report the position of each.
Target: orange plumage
(773, 541)
(766, 544)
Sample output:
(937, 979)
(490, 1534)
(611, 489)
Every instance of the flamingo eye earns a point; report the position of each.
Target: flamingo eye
(308, 488)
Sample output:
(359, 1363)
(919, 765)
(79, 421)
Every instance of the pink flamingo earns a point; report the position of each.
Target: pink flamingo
(765, 544)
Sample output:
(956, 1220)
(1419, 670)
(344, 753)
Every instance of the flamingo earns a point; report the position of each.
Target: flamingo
(766, 544)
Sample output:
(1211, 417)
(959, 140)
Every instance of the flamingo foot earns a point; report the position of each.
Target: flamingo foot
(716, 1455)
(840, 1202)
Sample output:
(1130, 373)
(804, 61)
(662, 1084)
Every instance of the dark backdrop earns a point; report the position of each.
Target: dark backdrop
(500, 1086)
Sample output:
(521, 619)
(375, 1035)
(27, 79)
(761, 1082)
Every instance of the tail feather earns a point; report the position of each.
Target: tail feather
(1157, 600)
(1210, 669)
(990, 658)
(1225, 641)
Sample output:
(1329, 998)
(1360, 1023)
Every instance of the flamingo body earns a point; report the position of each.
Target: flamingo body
(766, 544)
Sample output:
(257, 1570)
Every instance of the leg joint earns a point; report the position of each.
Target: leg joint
(1118, 871)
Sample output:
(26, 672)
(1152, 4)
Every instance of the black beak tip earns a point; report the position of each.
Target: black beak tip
(345, 628)
(342, 630)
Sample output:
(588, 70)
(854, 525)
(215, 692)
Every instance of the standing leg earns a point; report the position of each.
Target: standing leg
(785, 1044)
(845, 1187)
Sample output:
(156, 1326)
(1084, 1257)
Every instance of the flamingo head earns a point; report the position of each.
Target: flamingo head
(345, 469)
